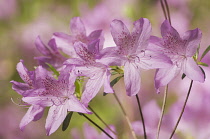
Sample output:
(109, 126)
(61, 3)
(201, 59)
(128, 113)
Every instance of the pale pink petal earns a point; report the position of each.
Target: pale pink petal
(132, 78)
(65, 43)
(193, 39)
(155, 44)
(82, 51)
(93, 47)
(42, 100)
(41, 47)
(107, 87)
(25, 75)
(165, 75)
(153, 60)
(34, 113)
(73, 104)
(20, 88)
(77, 27)
(120, 34)
(192, 70)
(56, 116)
(94, 35)
(141, 34)
(92, 87)
(74, 61)
(168, 30)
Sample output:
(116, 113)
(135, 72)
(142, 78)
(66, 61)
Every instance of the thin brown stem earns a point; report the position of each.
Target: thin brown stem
(126, 117)
(102, 120)
(183, 108)
(162, 112)
(142, 117)
(168, 11)
(163, 8)
(96, 125)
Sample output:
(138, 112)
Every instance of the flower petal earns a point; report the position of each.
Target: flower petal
(34, 113)
(73, 104)
(141, 33)
(41, 47)
(192, 70)
(92, 87)
(65, 43)
(193, 39)
(55, 117)
(82, 51)
(132, 78)
(107, 87)
(20, 88)
(26, 76)
(153, 60)
(165, 75)
(121, 35)
(168, 30)
(77, 27)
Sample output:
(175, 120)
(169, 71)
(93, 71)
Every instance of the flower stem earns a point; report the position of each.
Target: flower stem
(162, 112)
(96, 125)
(180, 116)
(166, 10)
(126, 117)
(142, 117)
(102, 120)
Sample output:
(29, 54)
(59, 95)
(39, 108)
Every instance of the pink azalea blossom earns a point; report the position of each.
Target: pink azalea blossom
(132, 50)
(93, 62)
(180, 49)
(65, 42)
(43, 91)
(34, 112)
(51, 54)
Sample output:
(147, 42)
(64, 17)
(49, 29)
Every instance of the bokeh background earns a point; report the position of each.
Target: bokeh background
(21, 21)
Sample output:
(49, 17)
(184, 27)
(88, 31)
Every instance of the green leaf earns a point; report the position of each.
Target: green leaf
(67, 121)
(53, 69)
(203, 64)
(183, 76)
(205, 52)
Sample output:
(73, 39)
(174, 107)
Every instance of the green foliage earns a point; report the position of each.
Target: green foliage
(66, 121)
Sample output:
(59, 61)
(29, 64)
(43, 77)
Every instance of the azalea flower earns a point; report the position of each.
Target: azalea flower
(93, 63)
(51, 54)
(65, 42)
(34, 112)
(49, 92)
(180, 49)
(132, 50)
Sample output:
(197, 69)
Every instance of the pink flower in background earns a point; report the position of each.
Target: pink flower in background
(151, 117)
(132, 50)
(51, 54)
(180, 49)
(65, 42)
(91, 133)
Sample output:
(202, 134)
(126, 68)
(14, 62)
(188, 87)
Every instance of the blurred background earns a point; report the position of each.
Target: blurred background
(21, 21)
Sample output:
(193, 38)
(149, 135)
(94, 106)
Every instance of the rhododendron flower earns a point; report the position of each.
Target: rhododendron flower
(65, 42)
(180, 49)
(34, 112)
(51, 54)
(93, 64)
(131, 48)
(47, 91)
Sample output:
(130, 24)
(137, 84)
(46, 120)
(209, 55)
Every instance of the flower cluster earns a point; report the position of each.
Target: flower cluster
(69, 59)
